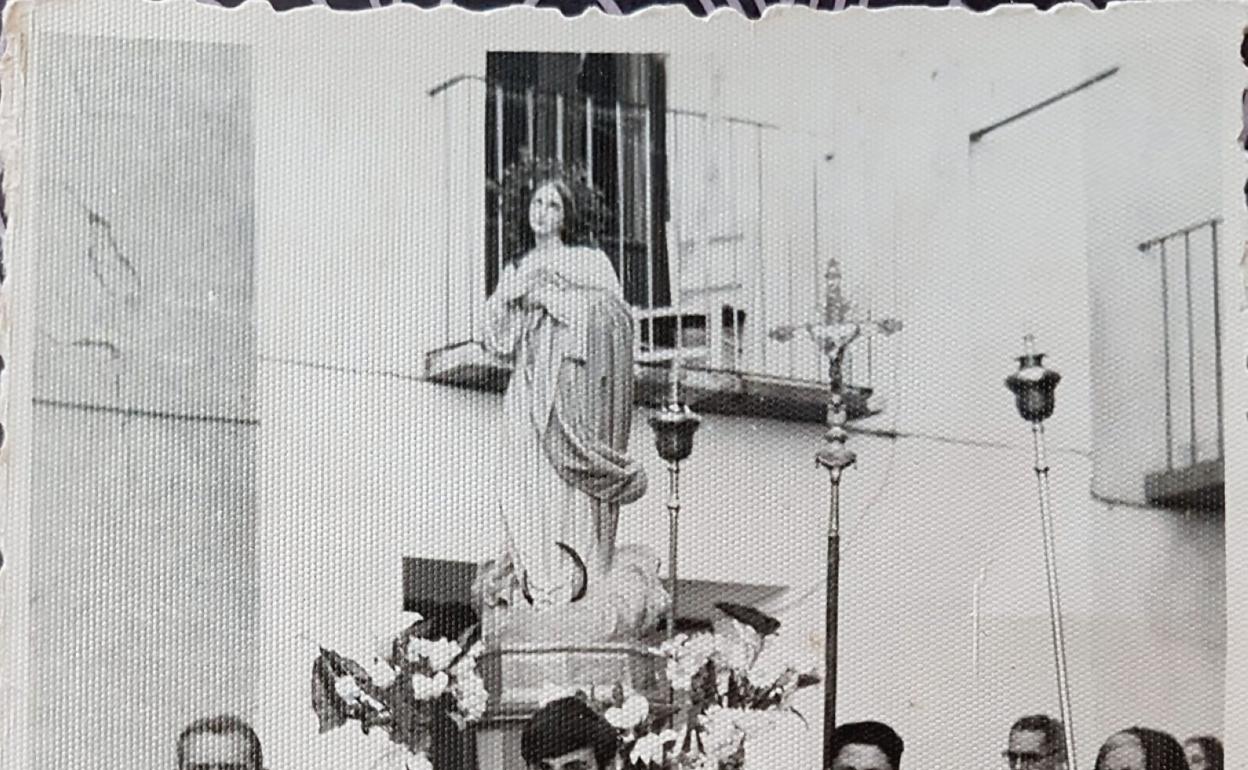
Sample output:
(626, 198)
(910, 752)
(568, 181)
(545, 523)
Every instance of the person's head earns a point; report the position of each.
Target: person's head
(219, 743)
(1139, 748)
(1204, 752)
(866, 746)
(567, 734)
(552, 210)
(1037, 742)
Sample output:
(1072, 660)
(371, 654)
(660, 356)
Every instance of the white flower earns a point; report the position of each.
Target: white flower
(734, 652)
(429, 687)
(419, 761)
(417, 649)
(767, 669)
(472, 696)
(378, 670)
(444, 651)
(722, 737)
(686, 655)
(635, 709)
(438, 653)
(649, 748)
(348, 689)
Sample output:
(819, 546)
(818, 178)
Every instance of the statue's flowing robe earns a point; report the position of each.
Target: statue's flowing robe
(563, 471)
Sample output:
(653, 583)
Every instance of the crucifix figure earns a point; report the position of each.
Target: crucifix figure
(833, 334)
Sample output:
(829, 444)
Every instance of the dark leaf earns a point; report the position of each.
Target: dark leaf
(807, 680)
(329, 708)
(756, 619)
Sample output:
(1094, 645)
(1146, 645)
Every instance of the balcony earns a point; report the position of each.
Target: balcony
(712, 391)
(705, 270)
(1188, 282)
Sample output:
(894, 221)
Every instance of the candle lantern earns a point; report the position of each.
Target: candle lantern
(674, 425)
(1034, 387)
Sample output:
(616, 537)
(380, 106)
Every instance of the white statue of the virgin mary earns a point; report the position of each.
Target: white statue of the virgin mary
(560, 317)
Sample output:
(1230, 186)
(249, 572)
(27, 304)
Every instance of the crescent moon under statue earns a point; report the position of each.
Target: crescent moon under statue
(582, 587)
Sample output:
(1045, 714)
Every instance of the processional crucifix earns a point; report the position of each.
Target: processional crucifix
(833, 334)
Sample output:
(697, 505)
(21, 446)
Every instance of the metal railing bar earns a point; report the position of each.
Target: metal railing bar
(1191, 347)
(451, 82)
(1217, 338)
(559, 128)
(1146, 245)
(619, 192)
(758, 228)
(1165, 320)
(528, 122)
(647, 143)
(446, 223)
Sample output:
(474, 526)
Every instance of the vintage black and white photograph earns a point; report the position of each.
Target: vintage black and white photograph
(429, 390)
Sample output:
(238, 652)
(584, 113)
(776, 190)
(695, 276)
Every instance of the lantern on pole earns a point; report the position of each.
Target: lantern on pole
(674, 425)
(1034, 387)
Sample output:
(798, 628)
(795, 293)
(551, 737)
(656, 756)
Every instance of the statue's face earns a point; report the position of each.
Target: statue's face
(546, 211)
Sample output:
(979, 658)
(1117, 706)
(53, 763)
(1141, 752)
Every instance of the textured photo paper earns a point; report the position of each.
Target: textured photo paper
(422, 388)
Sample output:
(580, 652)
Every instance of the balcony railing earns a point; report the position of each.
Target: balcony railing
(706, 267)
(1188, 284)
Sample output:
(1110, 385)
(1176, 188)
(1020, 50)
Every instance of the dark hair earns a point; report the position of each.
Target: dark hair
(875, 734)
(1054, 733)
(223, 724)
(585, 213)
(1161, 750)
(566, 725)
(1212, 749)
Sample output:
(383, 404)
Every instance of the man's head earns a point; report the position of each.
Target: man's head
(219, 743)
(1037, 742)
(567, 734)
(866, 746)
(1139, 748)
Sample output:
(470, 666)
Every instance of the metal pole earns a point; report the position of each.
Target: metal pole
(673, 530)
(1055, 607)
(831, 618)
(836, 459)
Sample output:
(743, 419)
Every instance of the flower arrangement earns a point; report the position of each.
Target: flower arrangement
(729, 685)
(405, 688)
(733, 686)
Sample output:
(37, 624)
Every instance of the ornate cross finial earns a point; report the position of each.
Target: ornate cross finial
(835, 307)
(836, 330)
(833, 334)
